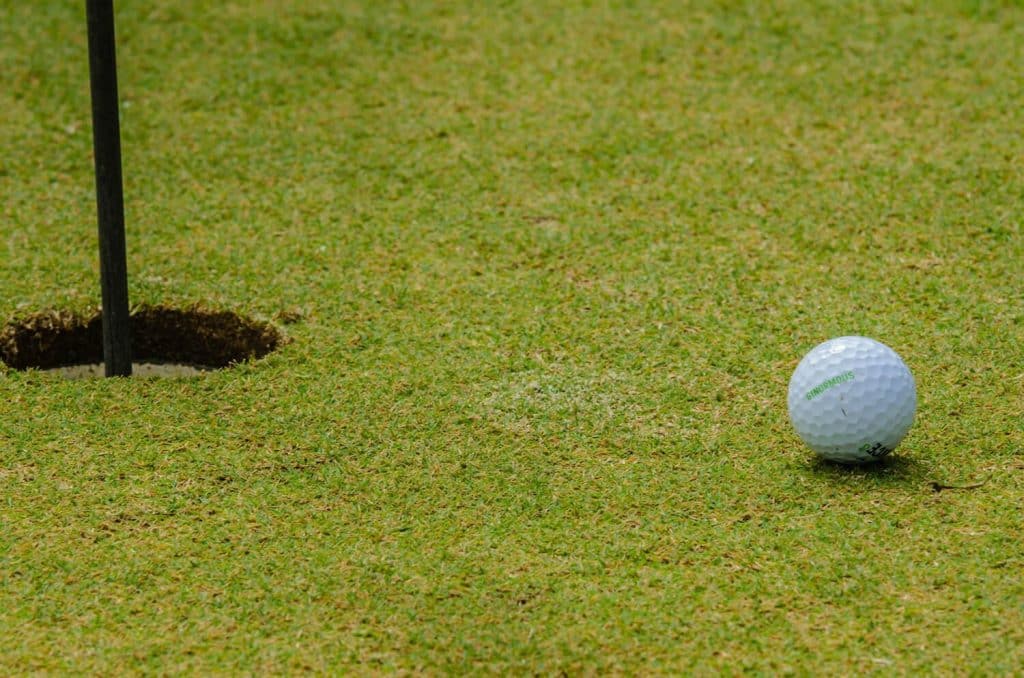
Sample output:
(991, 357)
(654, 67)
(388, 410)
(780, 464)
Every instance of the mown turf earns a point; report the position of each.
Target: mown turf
(555, 267)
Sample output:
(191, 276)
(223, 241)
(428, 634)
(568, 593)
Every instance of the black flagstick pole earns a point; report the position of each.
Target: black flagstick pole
(106, 136)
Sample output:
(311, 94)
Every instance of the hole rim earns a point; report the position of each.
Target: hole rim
(209, 339)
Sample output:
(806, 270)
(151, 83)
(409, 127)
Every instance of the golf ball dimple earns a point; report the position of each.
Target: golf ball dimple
(852, 399)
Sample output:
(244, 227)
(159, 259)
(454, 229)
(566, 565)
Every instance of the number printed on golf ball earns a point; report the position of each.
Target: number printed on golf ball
(852, 399)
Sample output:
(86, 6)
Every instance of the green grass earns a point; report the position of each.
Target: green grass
(556, 266)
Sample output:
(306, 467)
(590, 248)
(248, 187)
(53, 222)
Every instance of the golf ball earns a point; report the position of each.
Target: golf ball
(852, 399)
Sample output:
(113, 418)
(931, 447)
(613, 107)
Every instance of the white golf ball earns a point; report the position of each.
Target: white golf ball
(852, 400)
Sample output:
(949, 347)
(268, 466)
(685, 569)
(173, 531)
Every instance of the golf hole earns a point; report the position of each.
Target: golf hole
(166, 342)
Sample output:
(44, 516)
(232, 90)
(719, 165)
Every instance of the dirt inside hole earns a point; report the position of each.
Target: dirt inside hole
(195, 337)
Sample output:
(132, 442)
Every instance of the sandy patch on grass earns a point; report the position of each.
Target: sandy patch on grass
(142, 370)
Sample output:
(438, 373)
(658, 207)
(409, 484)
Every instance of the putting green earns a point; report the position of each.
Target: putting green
(550, 269)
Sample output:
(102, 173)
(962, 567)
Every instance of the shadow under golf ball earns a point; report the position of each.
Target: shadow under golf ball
(893, 467)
